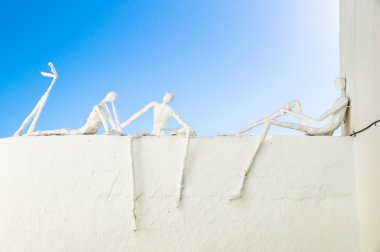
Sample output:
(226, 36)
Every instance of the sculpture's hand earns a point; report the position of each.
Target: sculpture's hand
(17, 134)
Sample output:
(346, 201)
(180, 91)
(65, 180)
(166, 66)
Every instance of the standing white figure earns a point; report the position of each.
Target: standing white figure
(35, 114)
(100, 115)
(336, 112)
(162, 114)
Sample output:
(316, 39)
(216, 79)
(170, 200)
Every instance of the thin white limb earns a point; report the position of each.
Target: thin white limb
(36, 112)
(290, 106)
(244, 176)
(116, 116)
(133, 181)
(138, 114)
(183, 166)
(133, 193)
(102, 117)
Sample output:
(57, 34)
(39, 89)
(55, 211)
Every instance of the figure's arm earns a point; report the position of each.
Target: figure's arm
(302, 116)
(116, 116)
(179, 119)
(334, 109)
(328, 113)
(138, 114)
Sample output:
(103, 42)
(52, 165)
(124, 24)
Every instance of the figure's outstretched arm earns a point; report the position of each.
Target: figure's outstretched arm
(138, 114)
(328, 113)
(179, 119)
(293, 105)
(334, 109)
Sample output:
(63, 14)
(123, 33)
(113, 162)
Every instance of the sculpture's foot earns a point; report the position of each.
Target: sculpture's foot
(229, 134)
(140, 134)
(115, 132)
(17, 134)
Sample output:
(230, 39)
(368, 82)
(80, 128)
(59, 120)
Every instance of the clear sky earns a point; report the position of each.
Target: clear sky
(229, 62)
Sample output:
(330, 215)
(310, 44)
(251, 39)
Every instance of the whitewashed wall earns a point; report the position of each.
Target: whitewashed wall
(360, 64)
(73, 194)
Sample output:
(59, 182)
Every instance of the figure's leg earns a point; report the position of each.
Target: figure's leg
(27, 120)
(133, 181)
(102, 118)
(262, 137)
(35, 119)
(133, 193)
(298, 127)
(184, 158)
(58, 132)
(294, 104)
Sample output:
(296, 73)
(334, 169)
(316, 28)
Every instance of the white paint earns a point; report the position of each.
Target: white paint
(36, 112)
(73, 193)
(336, 114)
(360, 64)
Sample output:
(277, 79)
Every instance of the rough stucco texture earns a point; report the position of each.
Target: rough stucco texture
(73, 194)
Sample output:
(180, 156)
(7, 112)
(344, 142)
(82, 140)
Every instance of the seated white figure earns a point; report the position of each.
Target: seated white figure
(336, 113)
(162, 113)
(100, 115)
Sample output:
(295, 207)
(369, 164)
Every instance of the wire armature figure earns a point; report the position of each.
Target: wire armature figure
(336, 112)
(36, 112)
(100, 115)
(162, 114)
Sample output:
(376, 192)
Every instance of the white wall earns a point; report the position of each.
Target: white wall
(360, 63)
(73, 194)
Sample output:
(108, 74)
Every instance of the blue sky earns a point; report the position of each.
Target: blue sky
(228, 62)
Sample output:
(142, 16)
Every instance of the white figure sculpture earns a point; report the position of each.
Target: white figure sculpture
(162, 114)
(35, 114)
(337, 114)
(100, 115)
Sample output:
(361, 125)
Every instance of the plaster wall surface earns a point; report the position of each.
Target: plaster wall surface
(73, 194)
(360, 64)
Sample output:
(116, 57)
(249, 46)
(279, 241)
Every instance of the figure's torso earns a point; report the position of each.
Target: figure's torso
(162, 114)
(336, 119)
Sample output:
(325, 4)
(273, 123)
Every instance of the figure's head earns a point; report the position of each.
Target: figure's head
(111, 97)
(340, 83)
(168, 97)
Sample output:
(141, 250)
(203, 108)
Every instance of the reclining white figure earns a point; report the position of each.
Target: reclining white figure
(100, 115)
(36, 112)
(337, 114)
(162, 114)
